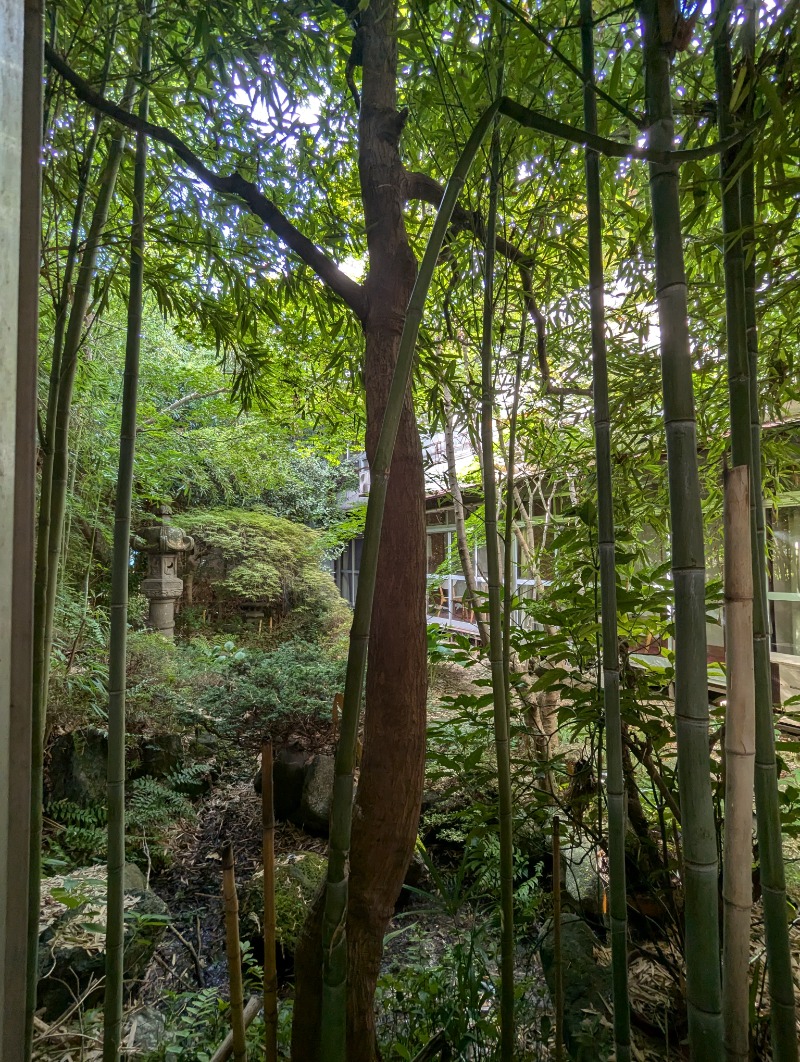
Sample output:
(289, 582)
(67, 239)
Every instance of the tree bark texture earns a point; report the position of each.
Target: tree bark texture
(386, 812)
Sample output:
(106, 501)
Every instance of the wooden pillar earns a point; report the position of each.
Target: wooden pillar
(20, 226)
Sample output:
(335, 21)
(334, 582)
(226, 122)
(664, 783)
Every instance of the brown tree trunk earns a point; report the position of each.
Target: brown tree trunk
(386, 812)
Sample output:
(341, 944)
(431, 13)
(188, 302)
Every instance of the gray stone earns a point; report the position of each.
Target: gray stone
(72, 934)
(288, 778)
(162, 754)
(78, 767)
(582, 880)
(587, 990)
(315, 803)
(144, 1031)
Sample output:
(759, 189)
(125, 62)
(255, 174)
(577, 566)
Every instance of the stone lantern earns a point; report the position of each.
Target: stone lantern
(162, 587)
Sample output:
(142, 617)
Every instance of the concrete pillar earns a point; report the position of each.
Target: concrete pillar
(20, 179)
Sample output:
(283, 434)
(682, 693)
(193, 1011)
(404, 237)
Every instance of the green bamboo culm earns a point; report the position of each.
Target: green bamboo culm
(508, 531)
(334, 935)
(615, 786)
(50, 524)
(739, 753)
(768, 822)
(703, 981)
(115, 926)
(495, 593)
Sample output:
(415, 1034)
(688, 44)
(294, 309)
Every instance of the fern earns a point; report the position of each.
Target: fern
(154, 804)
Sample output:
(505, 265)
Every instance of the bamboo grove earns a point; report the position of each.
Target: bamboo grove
(464, 272)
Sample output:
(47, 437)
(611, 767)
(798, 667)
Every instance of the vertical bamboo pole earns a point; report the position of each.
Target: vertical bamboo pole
(268, 853)
(334, 929)
(499, 701)
(740, 736)
(117, 658)
(234, 953)
(50, 523)
(608, 575)
(703, 987)
(768, 821)
(558, 961)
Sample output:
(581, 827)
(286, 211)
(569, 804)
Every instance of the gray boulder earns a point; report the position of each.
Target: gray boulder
(144, 1031)
(78, 767)
(582, 880)
(162, 754)
(315, 802)
(288, 778)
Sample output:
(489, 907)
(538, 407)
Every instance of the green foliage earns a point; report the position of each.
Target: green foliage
(456, 996)
(295, 677)
(80, 835)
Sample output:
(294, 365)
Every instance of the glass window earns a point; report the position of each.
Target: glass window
(785, 582)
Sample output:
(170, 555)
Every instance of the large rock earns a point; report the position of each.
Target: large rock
(162, 755)
(315, 802)
(288, 778)
(298, 876)
(78, 767)
(144, 1031)
(582, 880)
(72, 934)
(587, 990)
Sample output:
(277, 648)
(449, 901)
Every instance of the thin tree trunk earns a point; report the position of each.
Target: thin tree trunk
(703, 988)
(768, 820)
(740, 735)
(117, 651)
(464, 552)
(608, 575)
(499, 686)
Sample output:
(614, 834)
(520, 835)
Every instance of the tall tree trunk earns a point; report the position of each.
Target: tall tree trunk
(770, 853)
(120, 571)
(703, 989)
(608, 573)
(385, 817)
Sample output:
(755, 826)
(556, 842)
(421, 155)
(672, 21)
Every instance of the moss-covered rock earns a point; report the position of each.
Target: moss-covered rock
(298, 876)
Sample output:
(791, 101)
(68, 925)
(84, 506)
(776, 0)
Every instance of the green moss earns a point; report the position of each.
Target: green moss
(251, 556)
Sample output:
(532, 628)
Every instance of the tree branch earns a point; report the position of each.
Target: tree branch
(421, 187)
(233, 185)
(597, 89)
(524, 116)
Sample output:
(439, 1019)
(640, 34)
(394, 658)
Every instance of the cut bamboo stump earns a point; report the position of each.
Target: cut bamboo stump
(740, 751)
(268, 855)
(234, 954)
(225, 1049)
